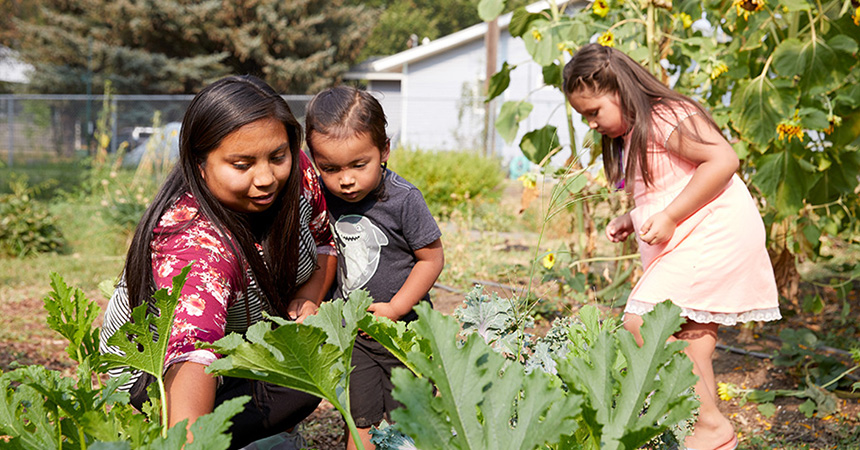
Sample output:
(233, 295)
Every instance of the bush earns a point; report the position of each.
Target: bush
(26, 226)
(448, 179)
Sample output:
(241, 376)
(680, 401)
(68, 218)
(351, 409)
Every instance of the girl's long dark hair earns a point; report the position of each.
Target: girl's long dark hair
(605, 70)
(216, 111)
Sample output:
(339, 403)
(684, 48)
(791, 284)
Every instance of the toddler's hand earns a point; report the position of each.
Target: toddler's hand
(658, 229)
(619, 228)
(383, 310)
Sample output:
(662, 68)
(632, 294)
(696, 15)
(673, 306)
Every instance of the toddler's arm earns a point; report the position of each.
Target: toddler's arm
(716, 163)
(619, 228)
(309, 297)
(431, 259)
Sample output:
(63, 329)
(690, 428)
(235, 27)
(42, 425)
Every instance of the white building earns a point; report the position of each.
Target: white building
(432, 93)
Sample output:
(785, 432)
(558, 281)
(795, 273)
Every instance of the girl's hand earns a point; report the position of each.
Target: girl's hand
(300, 308)
(384, 310)
(619, 228)
(658, 229)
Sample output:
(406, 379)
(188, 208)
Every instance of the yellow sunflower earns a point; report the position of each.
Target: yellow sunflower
(607, 39)
(791, 128)
(600, 8)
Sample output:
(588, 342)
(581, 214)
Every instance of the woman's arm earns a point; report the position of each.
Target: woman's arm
(716, 163)
(190, 392)
(431, 260)
(309, 297)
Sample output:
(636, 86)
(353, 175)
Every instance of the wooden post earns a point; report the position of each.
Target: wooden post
(491, 43)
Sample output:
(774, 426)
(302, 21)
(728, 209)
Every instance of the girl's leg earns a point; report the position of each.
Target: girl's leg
(712, 428)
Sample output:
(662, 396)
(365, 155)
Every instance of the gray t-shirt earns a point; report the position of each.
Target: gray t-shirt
(377, 238)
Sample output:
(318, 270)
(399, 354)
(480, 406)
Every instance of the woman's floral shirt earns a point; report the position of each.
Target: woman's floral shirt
(216, 279)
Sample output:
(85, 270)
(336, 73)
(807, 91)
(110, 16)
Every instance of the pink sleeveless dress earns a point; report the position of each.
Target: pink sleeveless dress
(716, 266)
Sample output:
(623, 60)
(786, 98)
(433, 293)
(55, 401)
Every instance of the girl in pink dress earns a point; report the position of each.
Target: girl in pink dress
(700, 235)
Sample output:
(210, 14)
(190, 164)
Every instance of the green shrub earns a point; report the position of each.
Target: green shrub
(448, 179)
(52, 177)
(26, 226)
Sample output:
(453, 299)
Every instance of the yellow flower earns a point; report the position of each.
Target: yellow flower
(607, 39)
(685, 19)
(536, 34)
(745, 7)
(529, 180)
(548, 260)
(718, 70)
(600, 8)
(727, 391)
(857, 16)
(790, 127)
(834, 121)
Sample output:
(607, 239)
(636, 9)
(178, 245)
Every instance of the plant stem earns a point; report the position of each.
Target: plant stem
(650, 38)
(163, 393)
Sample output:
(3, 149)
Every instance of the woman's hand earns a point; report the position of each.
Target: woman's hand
(619, 228)
(658, 229)
(300, 308)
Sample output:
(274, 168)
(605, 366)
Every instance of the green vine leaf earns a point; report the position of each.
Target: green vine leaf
(521, 21)
(489, 10)
(782, 180)
(481, 398)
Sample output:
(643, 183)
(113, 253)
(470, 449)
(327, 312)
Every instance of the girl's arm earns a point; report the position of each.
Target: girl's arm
(716, 163)
(309, 297)
(431, 259)
(619, 228)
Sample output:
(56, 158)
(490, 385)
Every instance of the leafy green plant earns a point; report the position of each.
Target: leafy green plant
(448, 179)
(26, 226)
(43, 409)
(468, 395)
(314, 358)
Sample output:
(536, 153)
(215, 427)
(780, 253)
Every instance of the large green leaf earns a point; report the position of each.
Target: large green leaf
(314, 357)
(758, 105)
(839, 180)
(143, 348)
(657, 371)
(813, 60)
(396, 337)
(482, 400)
(500, 81)
(783, 181)
(510, 115)
(210, 431)
(537, 144)
(540, 42)
(795, 5)
(552, 75)
(521, 21)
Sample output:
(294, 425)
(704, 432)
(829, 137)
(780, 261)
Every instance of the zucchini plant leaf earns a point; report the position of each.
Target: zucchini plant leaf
(143, 340)
(314, 357)
(396, 337)
(210, 431)
(482, 399)
(72, 314)
(24, 416)
(657, 371)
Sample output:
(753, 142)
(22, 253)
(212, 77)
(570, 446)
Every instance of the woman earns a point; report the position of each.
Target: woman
(244, 207)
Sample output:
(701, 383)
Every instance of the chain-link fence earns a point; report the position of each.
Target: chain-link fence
(50, 128)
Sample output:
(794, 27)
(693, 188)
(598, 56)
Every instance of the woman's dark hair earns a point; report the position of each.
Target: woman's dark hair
(216, 111)
(604, 70)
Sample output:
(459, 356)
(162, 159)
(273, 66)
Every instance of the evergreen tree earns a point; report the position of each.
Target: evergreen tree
(177, 46)
(401, 19)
